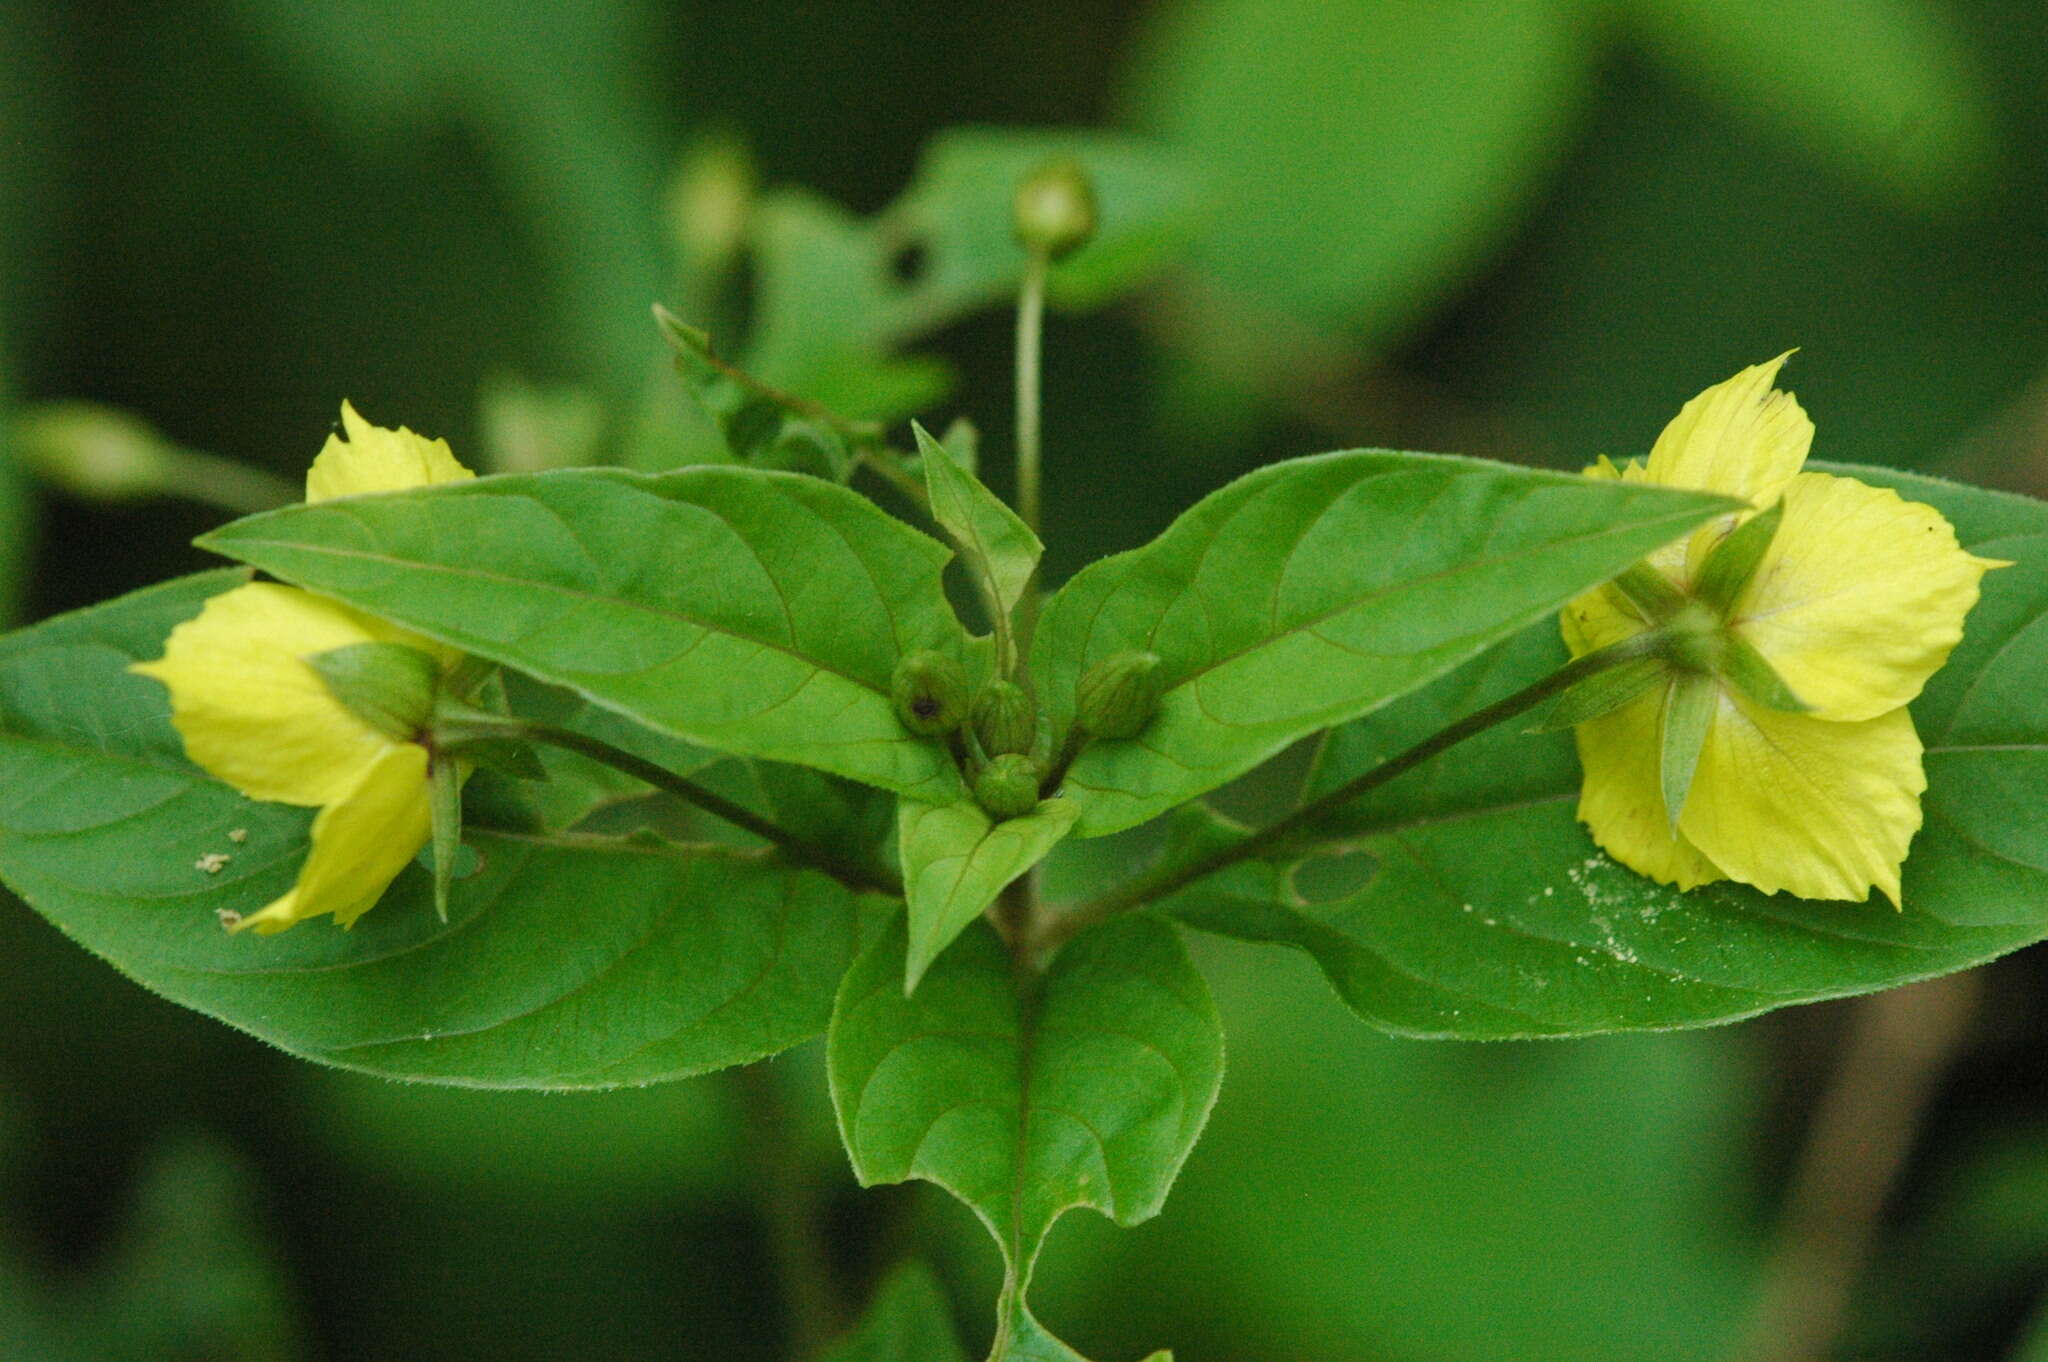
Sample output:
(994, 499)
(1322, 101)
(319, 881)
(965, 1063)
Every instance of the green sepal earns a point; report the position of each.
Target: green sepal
(1650, 593)
(444, 783)
(1118, 696)
(387, 685)
(1601, 694)
(1688, 713)
(1745, 669)
(1734, 560)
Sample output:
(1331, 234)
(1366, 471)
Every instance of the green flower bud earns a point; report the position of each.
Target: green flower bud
(711, 199)
(1054, 209)
(930, 693)
(1005, 719)
(1118, 696)
(1008, 786)
(93, 451)
(388, 686)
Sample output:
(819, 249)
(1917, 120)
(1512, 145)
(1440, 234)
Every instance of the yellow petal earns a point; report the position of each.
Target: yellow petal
(1823, 810)
(360, 844)
(373, 459)
(1860, 598)
(1738, 438)
(251, 711)
(1622, 800)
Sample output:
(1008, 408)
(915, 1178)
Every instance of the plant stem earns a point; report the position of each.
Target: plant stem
(791, 1217)
(1030, 345)
(1899, 1044)
(1170, 879)
(661, 778)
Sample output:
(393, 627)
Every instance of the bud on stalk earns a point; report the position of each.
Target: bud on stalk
(929, 691)
(1008, 786)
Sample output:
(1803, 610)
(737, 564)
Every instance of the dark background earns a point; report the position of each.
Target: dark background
(1521, 228)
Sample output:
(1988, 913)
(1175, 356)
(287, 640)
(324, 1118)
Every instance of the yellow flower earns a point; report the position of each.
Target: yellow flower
(254, 713)
(1859, 598)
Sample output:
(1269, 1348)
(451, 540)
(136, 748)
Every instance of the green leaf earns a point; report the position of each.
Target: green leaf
(1315, 590)
(1088, 1093)
(565, 962)
(998, 547)
(956, 213)
(1370, 152)
(1888, 88)
(956, 860)
(759, 613)
(908, 1321)
(1494, 915)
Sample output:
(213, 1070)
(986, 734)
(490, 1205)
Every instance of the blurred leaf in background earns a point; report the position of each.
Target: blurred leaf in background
(188, 1275)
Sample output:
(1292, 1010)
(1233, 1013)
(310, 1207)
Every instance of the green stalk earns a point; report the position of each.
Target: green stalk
(471, 727)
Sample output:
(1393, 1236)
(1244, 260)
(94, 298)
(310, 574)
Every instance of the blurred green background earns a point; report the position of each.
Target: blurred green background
(1520, 228)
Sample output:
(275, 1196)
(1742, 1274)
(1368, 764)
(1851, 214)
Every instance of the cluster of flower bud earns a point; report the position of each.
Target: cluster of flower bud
(996, 733)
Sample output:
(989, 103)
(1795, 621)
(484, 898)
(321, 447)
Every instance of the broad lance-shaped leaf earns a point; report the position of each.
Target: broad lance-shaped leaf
(755, 612)
(1313, 591)
(1493, 914)
(565, 963)
(998, 548)
(1089, 1092)
(956, 859)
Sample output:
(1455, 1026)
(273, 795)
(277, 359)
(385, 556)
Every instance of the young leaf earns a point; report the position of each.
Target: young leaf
(755, 612)
(1088, 1093)
(760, 426)
(956, 860)
(1313, 591)
(569, 963)
(1493, 914)
(908, 1321)
(998, 548)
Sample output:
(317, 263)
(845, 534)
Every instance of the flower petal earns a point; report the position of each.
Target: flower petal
(251, 712)
(360, 844)
(1622, 800)
(1824, 810)
(374, 459)
(1738, 438)
(1860, 598)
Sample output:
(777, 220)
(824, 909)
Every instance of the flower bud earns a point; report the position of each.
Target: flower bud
(1118, 696)
(1005, 719)
(92, 451)
(1054, 209)
(929, 690)
(1008, 786)
(388, 686)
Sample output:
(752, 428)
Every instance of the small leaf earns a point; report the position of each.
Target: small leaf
(908, 1321)
(1315, 590)
(1088, 1093)
(956, 860)
(565, 963)
(1689, 705)
(760, 425)
(998, 547)
(759, 613)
